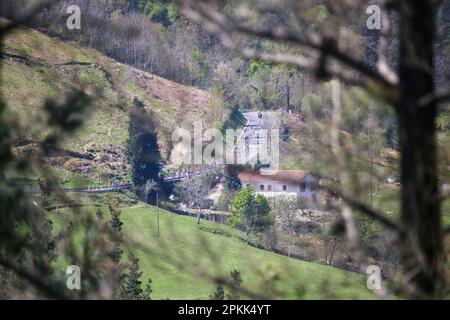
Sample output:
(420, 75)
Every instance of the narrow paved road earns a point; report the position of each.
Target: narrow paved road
(253, 137)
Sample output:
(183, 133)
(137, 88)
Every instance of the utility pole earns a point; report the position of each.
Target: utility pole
(288, 93)
(157, 211)
(290, 241)
(371, 154)
(152, 186)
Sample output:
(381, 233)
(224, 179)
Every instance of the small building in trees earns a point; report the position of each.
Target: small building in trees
(273, 183)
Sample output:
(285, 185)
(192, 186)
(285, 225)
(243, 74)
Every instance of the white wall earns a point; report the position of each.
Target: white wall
(277, 188)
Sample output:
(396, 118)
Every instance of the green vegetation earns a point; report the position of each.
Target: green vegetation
(142, 145)
(236, 282)
(131, 282)
(251, 211)
(50, 68)
(175, 262)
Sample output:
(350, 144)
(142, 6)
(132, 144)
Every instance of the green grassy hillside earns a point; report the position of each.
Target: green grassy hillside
(186, 254)
(36, 67)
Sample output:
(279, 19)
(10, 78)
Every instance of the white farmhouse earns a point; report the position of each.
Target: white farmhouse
(273, 183)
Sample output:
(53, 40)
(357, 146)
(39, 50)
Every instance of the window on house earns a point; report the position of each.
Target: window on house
(269, 187)
(284, 187)
(261, 187)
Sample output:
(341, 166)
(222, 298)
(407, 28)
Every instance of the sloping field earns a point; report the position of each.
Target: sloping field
(186, 255)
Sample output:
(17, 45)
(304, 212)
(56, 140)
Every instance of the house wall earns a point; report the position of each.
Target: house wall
(307, 192)
(275, 187)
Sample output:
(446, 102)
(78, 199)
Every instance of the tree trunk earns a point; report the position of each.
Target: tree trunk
(333, 248)
(422, 236)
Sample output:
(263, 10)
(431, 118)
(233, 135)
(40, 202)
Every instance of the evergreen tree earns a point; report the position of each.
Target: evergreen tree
(236, 282)
(233, 293)
(219, 294)
(143, 150)
(99, 214)
(116, 226)
(116, 223)
(146, 294)
(131, 286)
(231, 179)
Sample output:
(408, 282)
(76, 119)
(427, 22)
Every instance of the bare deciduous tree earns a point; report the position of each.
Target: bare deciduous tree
(286, 209)
(195, 191)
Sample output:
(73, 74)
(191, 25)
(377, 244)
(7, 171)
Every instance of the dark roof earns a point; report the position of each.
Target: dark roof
(289, 176)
